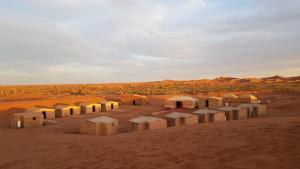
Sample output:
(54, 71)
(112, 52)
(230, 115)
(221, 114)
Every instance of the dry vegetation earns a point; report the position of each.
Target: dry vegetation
(271, 84)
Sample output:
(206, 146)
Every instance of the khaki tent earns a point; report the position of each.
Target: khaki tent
(206, 115)
(181, 102)
(234, 113)
(178, 119)
(27, 120)
(147, 123)
(247, 98)
(66, 110)
(134, 100)
(109, 105)
(230, 99)
(210, 102)
(100, 126)
(47, 113)
(254, 109)
(89, 107)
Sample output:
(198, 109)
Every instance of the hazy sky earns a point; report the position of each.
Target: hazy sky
(90, 41)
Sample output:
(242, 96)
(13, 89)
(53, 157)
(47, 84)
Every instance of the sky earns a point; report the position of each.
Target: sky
(102, 41)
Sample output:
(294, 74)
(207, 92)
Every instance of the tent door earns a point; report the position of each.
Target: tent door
(44, 114)
(178, 104)
(71, 111)
(206, 103)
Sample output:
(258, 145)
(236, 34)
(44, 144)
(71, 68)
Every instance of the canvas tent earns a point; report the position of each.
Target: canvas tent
(247, 98)
(27, 120)
(207, 115)
(254, 109)
(178, 119)
(147, 123)
(181, 102)
(210, 102)
(100, 126)
(47, 113)
(230, 99)
(89, 107)
(109, 105)
(136, 100)
(234, 113)
(66, 110)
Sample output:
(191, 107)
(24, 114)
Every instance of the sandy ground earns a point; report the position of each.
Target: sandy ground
(270, 142)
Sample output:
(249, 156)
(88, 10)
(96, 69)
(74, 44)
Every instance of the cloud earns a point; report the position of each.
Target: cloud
(137, 40)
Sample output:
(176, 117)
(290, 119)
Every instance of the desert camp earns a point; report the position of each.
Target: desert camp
(149, 84)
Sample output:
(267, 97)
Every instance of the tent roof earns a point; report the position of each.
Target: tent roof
(176, 115)
(214, 97)
(104, 102)
(39, 108)
(182, 98)
(248, 96)
(102, 119)
(230, 108)
(86, 104)
(142, 119)
(64, 106)
(205, 111)
(230, 95)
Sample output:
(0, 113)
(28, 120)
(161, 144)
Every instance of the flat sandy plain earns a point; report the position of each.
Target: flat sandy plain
(267, 143)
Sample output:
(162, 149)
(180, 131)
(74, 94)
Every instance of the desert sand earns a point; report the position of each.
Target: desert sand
(270, 142)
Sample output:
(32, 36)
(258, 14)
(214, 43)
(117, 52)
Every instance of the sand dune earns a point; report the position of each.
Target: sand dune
(271, 142)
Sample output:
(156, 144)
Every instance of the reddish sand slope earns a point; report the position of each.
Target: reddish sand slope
(268, 143)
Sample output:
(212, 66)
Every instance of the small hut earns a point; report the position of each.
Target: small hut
(89, 108)
(210, 102)
(47, 113)
(247, 98)
(147, 123)
(230, 100)
(27, 120)
(136, 100)
(109, 105)
(181, 102)
(207, 116)
(178, 119)
(100, 126)
(234, 113)
(66, 110)
(254, 109)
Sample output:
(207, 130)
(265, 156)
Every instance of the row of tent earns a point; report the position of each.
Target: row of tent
(210, 109)
(210, 102)
(37, 115)
(105, 126)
